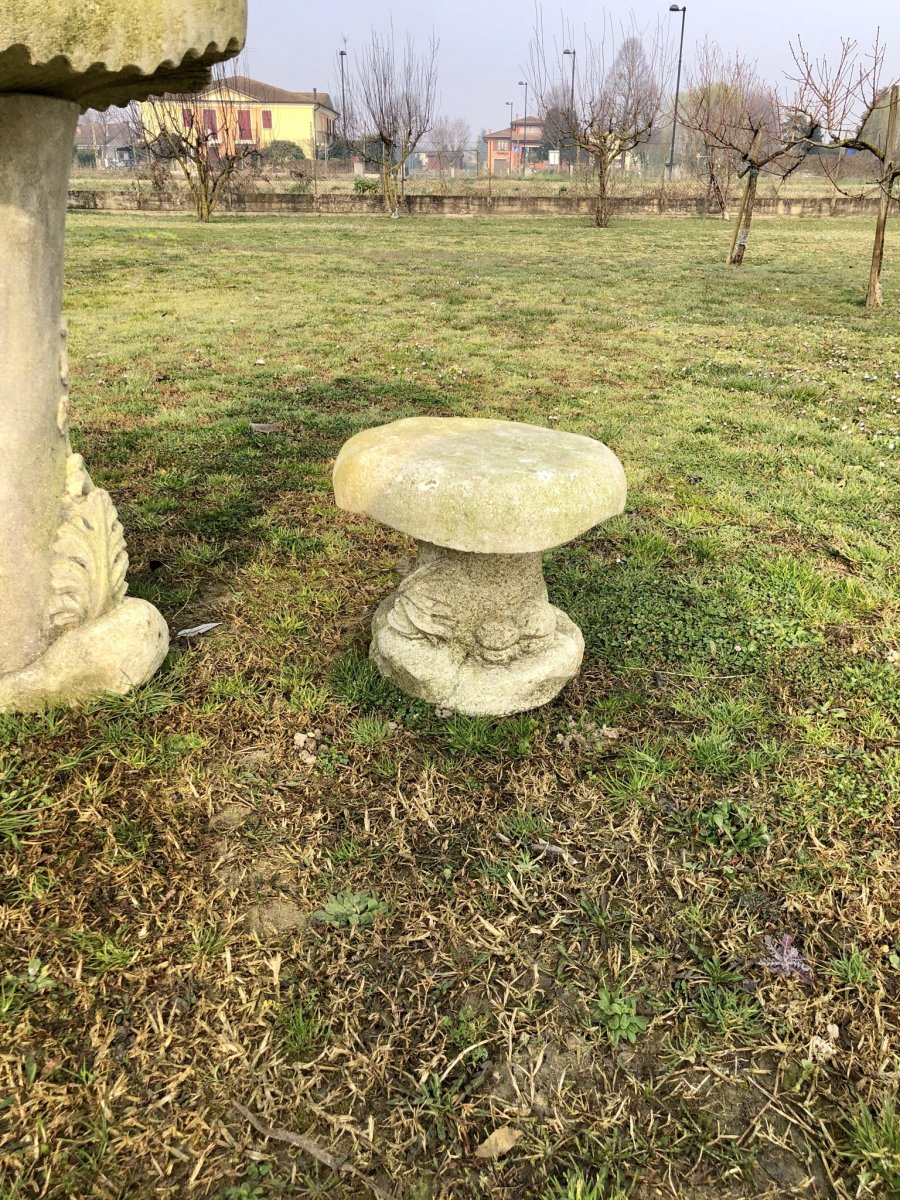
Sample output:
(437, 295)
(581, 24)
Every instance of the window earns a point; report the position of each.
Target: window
(502, 144)
(188, 118)
(267, 118)
(245, 133)
(210, 123)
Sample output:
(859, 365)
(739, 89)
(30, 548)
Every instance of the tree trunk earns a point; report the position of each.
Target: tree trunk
(873, 296)
(714, 192)
(744, 217)
(602, 212)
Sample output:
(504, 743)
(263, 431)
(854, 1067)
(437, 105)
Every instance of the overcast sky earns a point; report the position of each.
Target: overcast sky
(484, 43)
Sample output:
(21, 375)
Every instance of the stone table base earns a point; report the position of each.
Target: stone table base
(112, 653)
(475, 633)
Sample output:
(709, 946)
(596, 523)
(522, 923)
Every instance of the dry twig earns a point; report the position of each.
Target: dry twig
(312, 1148)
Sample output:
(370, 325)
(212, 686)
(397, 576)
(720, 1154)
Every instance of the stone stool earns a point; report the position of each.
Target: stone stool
(470, 627)
(67, 633)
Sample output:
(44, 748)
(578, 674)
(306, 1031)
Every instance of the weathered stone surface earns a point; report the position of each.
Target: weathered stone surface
(470, 627)
(475, 633)
(66, 631)
(113, 653)
(35, 155)
(101, 52)
(488, 487)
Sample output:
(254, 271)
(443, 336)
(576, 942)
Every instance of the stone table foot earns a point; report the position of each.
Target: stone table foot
(113, 653)
(475, 633)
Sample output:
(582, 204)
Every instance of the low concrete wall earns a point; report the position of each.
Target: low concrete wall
(464, 206)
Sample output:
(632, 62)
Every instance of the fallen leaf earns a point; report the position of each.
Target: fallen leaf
(266, 427)
(501, 1141)
(197, 630)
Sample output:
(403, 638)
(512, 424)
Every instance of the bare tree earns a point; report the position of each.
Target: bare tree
(201, 132)
(717, 166)
(450, 138)
(736, 112)
(614, 104)
(390, 99)
(859, 111)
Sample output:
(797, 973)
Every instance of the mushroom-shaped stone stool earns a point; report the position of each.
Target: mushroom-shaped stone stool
(470, 627)
(67, 633)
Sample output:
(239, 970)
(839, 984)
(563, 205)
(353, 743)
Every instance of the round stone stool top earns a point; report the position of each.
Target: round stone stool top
(483, 486)
(106, 52)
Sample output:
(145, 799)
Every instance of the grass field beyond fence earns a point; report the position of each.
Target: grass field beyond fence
(653, 928)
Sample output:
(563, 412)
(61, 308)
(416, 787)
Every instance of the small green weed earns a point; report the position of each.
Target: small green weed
(466, 1029)
(303, 1031)
(369, 731)
(615, 1015)
(578, 1184)
(357, 910)
(20, 811)
(101, 952)
(485, 735)
(873, 1145)
(16, 991)
(206, 941)
(356, 680)
(726, 1011)
(853, 969)
(133, 836)
(733, 826)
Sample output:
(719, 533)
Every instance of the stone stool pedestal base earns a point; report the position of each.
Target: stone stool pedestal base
(475, 633)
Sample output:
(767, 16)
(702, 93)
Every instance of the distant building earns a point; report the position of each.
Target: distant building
(101, 140)
(239, 111)
(508, 150)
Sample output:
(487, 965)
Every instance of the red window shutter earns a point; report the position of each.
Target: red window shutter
(210, 122)
(245, 132)
(267, 119)
(188, 117)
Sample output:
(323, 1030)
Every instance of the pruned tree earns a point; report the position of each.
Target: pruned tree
(717, 166)
(390, 99)
(615, 103)
(736, 112)
(201, 133)
(859, 110)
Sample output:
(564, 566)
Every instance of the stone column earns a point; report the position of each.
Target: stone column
(67, 632)
(36, 136)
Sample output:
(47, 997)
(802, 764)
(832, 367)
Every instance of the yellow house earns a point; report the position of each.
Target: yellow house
(238, 111)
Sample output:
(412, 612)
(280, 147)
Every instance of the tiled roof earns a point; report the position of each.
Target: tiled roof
(267, 93)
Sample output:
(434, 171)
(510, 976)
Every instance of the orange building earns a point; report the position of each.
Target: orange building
(508, 150)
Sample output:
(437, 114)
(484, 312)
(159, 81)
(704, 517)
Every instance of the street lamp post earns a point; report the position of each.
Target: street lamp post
(524, 83)
(572, 102)
(343, 54)
(315, 140)
(683, 11)
(509, 105)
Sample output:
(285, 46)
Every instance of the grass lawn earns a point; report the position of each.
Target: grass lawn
(654, 928)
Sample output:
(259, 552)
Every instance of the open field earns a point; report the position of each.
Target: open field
(413, 931)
